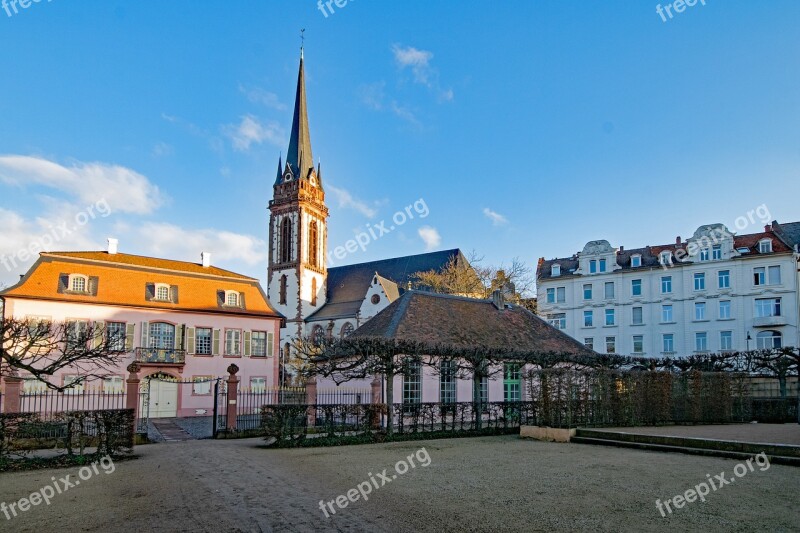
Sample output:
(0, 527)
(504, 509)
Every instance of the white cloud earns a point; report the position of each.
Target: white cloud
(22, 239)
(169, 240)
(496, 218)
(372, 95)
(430, 236)
(250, 131)
(162, 149)
(258, 95)
(406, 114)
(417, 60)
(347, 201)
(121, 188)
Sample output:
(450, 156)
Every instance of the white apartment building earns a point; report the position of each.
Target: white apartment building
(713, 292)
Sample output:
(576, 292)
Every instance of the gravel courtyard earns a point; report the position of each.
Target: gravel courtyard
(471, 484)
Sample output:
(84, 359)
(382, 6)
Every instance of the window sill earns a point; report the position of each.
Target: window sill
(232, 356)
(202, 355)
(588, 327)
(638, 325)
(610, 326)
(667, 323)
(701, 320)
(726, 319)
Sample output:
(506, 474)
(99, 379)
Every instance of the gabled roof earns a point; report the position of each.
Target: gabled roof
(390, 288)
(433, 318)
(123, 280)
(347, 285)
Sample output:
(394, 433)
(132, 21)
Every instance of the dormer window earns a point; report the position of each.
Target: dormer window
(555, 270)
(636, 261)
(765, 246)
(232, 299)
(78, 283)
(666, 258)
(592, 266)
(602, 265)
(162, 292)
(704, 254)
(716, 252)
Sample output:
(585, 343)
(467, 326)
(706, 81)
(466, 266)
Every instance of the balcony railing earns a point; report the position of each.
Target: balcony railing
(161, 356)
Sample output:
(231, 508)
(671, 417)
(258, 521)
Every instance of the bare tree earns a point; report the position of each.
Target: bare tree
(474, 279)
(41, 348)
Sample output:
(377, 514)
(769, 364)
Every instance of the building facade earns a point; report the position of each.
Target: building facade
(713, 292)
(181, 322)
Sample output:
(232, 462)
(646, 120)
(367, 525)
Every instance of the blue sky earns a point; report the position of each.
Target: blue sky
(527, 127)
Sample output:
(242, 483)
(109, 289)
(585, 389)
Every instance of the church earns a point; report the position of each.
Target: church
(315, 300)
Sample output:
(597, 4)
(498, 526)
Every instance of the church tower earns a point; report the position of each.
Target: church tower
(297, 228)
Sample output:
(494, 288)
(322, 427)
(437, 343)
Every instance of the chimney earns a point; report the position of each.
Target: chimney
(113, 246)
(678, 240)
(205, 258)
(768, 228)
(621, 248)
(498, 300)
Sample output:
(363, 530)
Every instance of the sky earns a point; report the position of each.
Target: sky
(517, 129)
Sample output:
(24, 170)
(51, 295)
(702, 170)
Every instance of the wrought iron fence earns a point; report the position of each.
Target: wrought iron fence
(48, 402)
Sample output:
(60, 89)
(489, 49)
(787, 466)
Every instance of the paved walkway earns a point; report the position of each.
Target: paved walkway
(171, 431)
(757, 433)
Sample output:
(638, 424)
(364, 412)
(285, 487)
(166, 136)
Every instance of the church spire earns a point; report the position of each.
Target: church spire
(299, 158)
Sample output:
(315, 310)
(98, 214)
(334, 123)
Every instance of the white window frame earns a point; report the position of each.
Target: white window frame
(590, 289)
(609, 294)
(668, 342)
(201, 385)
(588, 319)
(233, 342)
(667, 309)
(232, 296)
(725, 309)
(666, 281)
(701, 341)
(699, 281)
(638, 339)
(723, 279)
(78, 277)
(665, 258)
(700, 311)
(610, 313)
(705, 254)
(765, 246)
(726, 340)
(254, 336)
(767, 307)
(159, 288)
(716, 252)
(636, 261)
(611, 340)
(634, 322)
(555, 270)
(634, 285)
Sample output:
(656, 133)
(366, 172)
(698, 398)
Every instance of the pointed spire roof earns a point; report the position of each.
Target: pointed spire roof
(280, 170)
(299, 157)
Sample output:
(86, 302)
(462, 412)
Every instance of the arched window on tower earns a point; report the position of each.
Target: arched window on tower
(313, 244)
(347, 329)
(313, 291)
(286, 240)
(282, 295)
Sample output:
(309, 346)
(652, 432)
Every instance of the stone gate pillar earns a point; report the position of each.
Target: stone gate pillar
(233, 393)
(132, 390)
(11, 396)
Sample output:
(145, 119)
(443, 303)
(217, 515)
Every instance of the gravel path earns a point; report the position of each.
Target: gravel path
(471, 484)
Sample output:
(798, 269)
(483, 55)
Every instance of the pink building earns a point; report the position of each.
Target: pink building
(182, 322)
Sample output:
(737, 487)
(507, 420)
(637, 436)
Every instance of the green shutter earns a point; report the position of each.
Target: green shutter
(190, 340)
(179, 337)
(130, 330)
(98, 334)
(247, 344)
(215, 345)
(145, 329)
(270, 342)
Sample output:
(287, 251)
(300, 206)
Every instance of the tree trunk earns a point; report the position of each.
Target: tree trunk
(476, 398)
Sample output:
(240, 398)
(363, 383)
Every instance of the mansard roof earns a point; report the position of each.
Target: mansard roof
(458, 321)
(783, 236)
(122, 280)
(347, 285)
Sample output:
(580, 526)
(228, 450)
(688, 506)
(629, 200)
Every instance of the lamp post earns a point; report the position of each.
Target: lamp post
(749, 338)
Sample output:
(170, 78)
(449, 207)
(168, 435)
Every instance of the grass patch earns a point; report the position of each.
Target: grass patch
(59, 461)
